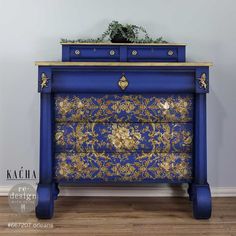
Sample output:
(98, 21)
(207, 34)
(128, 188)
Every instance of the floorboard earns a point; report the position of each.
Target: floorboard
(122, 216)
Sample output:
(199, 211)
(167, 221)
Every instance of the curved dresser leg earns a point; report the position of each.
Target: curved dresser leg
(45, 207)
(201, 197)
(56, 191)
(190, 192)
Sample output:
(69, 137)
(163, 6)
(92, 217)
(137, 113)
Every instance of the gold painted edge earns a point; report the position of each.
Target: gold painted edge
(129, 44)
(60, 63)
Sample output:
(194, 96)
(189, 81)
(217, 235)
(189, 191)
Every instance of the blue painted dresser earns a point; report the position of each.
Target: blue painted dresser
(123, 114)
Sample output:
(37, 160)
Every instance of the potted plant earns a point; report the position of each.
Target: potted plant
(121, 33)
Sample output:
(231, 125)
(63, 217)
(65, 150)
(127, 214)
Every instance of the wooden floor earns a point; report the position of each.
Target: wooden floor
(123, 216)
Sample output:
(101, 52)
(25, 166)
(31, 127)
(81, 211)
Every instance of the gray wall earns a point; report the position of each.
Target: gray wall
(30, 31)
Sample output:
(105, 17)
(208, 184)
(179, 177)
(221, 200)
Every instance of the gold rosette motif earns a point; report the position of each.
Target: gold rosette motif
(124, 137)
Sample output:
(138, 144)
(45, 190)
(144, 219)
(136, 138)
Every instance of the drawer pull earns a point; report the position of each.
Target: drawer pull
(77, 52)
(123, 83)
(112, 52)
(170, 53)
(134, 52)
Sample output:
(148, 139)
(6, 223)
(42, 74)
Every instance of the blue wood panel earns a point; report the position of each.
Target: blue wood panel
(46, 139)
(138, 81)
(200, 162)
(181, 54)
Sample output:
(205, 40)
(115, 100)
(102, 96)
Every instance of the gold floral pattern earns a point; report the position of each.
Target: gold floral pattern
(123, 137)
(123, 167)
(123, 108)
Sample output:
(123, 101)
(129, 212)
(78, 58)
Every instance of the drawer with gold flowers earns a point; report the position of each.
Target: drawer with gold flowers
(122, 138)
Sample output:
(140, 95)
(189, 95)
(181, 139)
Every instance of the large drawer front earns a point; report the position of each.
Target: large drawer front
(123, 167)
(123, 108)
(123, 137)
(123, 81)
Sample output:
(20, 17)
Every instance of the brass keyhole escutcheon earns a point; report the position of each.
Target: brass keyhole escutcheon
(123, 83)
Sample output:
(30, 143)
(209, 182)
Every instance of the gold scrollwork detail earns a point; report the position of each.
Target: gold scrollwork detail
(203, 81)
(123, 83)
(123, 108)
(44, 81)
(102, 166)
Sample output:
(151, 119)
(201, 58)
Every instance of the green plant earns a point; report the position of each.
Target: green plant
(128, 31)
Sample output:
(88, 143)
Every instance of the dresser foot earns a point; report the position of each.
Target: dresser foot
(45, 207)
(190, 192)
(56, 191)
(201, 197)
